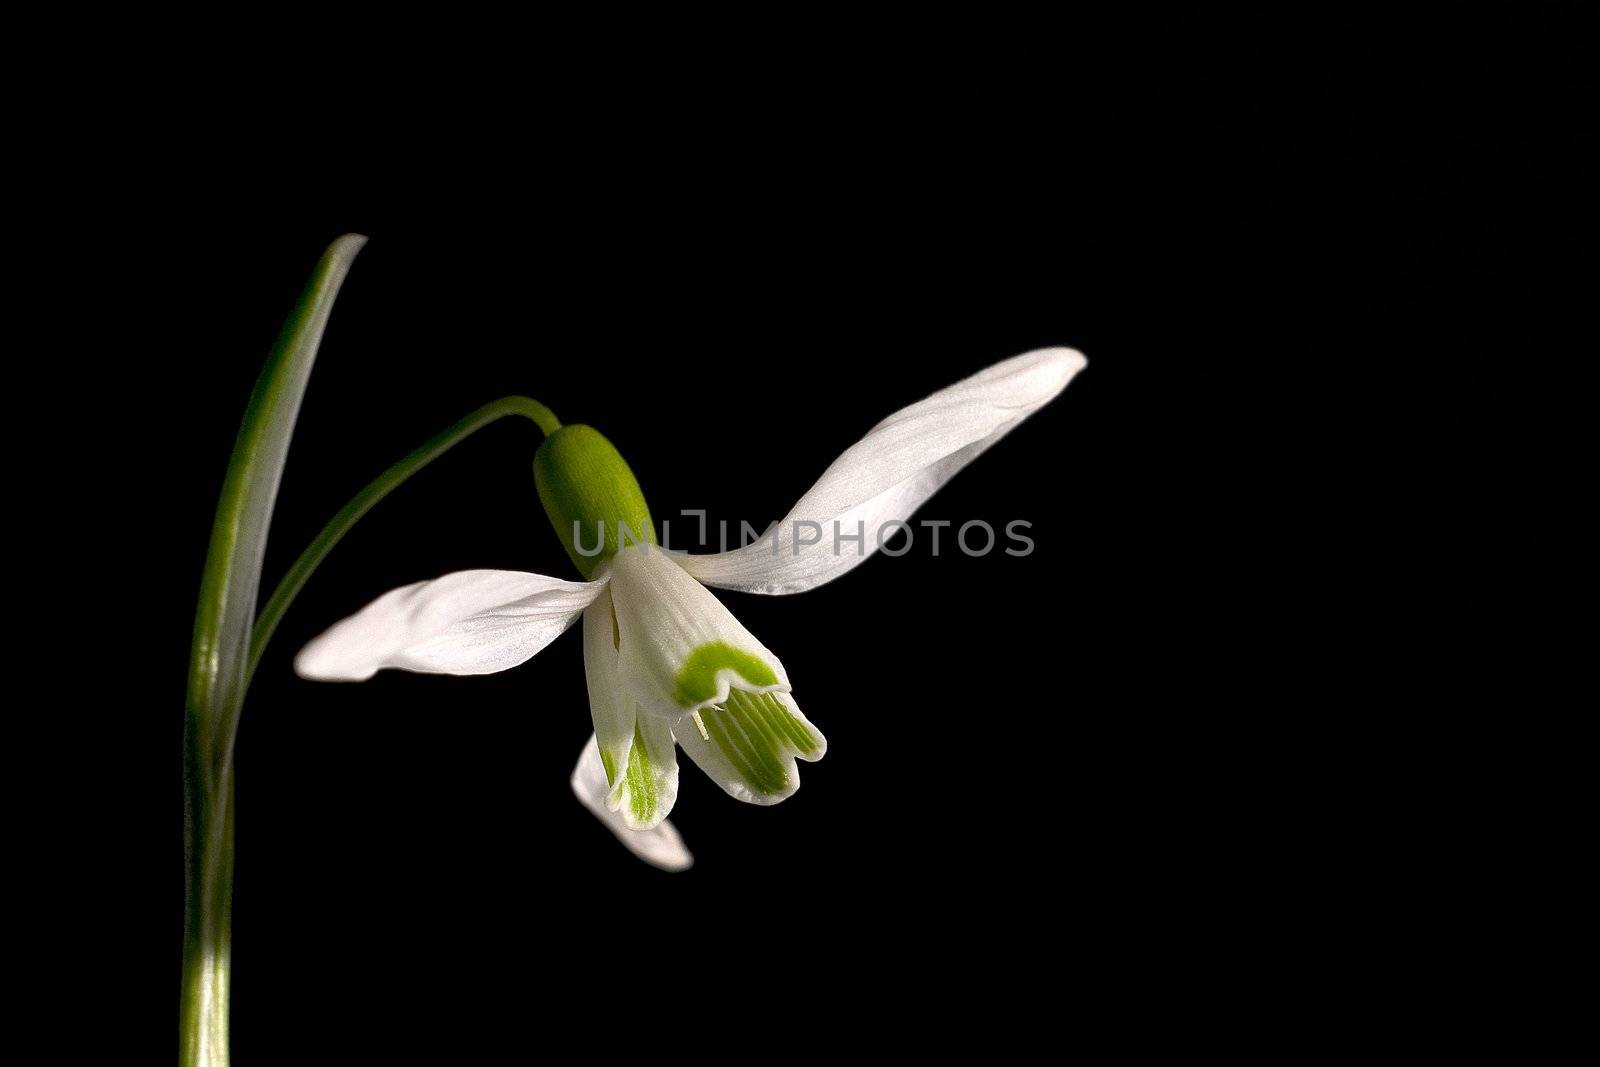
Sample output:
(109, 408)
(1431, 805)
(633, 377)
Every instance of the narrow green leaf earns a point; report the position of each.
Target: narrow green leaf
(232, 575)
(218, 667)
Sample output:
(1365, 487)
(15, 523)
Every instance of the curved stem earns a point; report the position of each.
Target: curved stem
(380, 487)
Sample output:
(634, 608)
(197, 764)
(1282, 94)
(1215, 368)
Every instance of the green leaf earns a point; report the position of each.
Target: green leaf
(232, 576)
(218, 669)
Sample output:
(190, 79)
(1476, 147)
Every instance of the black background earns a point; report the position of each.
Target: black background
(1325, 330)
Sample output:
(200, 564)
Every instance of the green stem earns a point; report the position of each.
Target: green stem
(380, 487)
(208, 911)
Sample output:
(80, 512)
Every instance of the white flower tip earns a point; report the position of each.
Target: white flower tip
(317, 662)
(1026, 382)
(1070, 358)
(1056, 366)
(663, 849)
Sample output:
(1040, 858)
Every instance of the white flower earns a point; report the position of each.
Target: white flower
(668, 665)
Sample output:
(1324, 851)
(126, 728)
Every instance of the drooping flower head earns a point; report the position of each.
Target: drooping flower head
(668, 666)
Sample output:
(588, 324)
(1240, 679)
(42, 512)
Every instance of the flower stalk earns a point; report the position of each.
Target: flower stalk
(381, 486)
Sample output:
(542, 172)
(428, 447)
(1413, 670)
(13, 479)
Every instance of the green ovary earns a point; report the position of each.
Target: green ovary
(591, 496)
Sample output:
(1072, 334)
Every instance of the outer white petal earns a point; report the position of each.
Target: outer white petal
(471, 622)
(660, 846)
(888, 474)
(681, 649)
(751, 745)
(644, 783)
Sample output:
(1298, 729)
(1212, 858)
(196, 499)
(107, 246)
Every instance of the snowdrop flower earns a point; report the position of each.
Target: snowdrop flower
(668, 666)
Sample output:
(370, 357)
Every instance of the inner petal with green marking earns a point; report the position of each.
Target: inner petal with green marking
(681, 650)
(639, 791)
(750, 744)
(644, 793)
(699, 678)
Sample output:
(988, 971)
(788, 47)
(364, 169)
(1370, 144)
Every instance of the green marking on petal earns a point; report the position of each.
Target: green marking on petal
(610, 765)
(759, 737)
(790, 726)
(697, 680)
(641, 786)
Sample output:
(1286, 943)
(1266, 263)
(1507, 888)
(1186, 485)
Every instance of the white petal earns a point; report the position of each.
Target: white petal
(610, 705)
(636, 752)
(660, 846)
(888, 474)
(681, 649)
(751, 744)
(471, 622)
